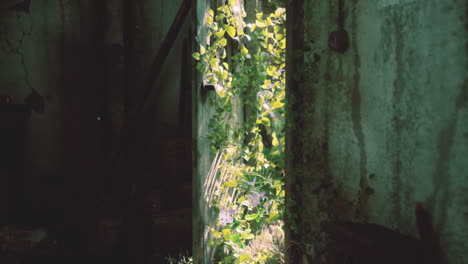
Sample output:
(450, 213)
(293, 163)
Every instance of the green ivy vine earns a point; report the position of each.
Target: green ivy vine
(246, 63)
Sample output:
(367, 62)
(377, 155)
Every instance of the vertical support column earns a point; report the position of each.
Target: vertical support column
(294, 61)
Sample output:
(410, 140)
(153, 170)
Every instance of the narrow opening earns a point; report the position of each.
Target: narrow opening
(242, 59)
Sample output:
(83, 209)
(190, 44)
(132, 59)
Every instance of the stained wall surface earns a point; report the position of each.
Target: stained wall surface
(203, 216)
(386, 122)
(44, 47)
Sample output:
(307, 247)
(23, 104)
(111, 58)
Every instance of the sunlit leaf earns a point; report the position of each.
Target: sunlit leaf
(277, 104)
(260, 23)
(282, 44)
(260, 146)
(244, 50)
(251, 217)
(280, 11)
(220, 33)
(214, 62)
(245, 257)
(202, 50)
(274, 141)
(231, 31)
(223, 42)
(279, 37)
(196, 55)
(219, 17)
(226, 233)
(271, 70)
(248, 236)
(277, 29)
(209, 20)
(231, 183)
(216, 234)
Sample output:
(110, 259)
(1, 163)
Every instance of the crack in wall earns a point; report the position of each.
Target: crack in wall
(12, 46)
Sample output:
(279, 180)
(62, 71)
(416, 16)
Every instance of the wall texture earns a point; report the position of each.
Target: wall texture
(202, 111)
(44, 47)
(384, 125)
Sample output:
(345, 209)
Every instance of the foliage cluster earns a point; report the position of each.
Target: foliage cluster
(246, 63)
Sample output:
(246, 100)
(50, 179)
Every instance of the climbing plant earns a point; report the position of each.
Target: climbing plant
(246, 63)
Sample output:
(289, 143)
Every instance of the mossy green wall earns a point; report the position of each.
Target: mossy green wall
(384, 125)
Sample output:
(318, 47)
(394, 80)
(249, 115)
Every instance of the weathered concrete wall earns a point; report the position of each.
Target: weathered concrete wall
(202, 215)
(387, 121)
(45, 47)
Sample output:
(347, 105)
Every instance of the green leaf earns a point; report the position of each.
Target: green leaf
(271, 70)
(221, 93)
(277, 104)
(274, 141)
(226, 66)
(225, 75)
(235, 238)
(220, 17)
(244, 50)
(282, 44)
(216, 234)
(266, 121)
(223, 42)
(266, 84)
(209, 20)
(251, 217)
(224, 9)
(280, 11)
(196, 55)
(214, 62)
(231, 183)
(260, 23)
(248, 236)
(252, 27)
(220, 33)
(245, 257)
(226, 233)
(274, 215)
(231, 31)
(279, 37)
(260, 146)
(277, 29)
(202, 50)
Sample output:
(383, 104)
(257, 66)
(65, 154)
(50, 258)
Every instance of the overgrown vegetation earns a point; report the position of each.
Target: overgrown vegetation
(246, 63)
